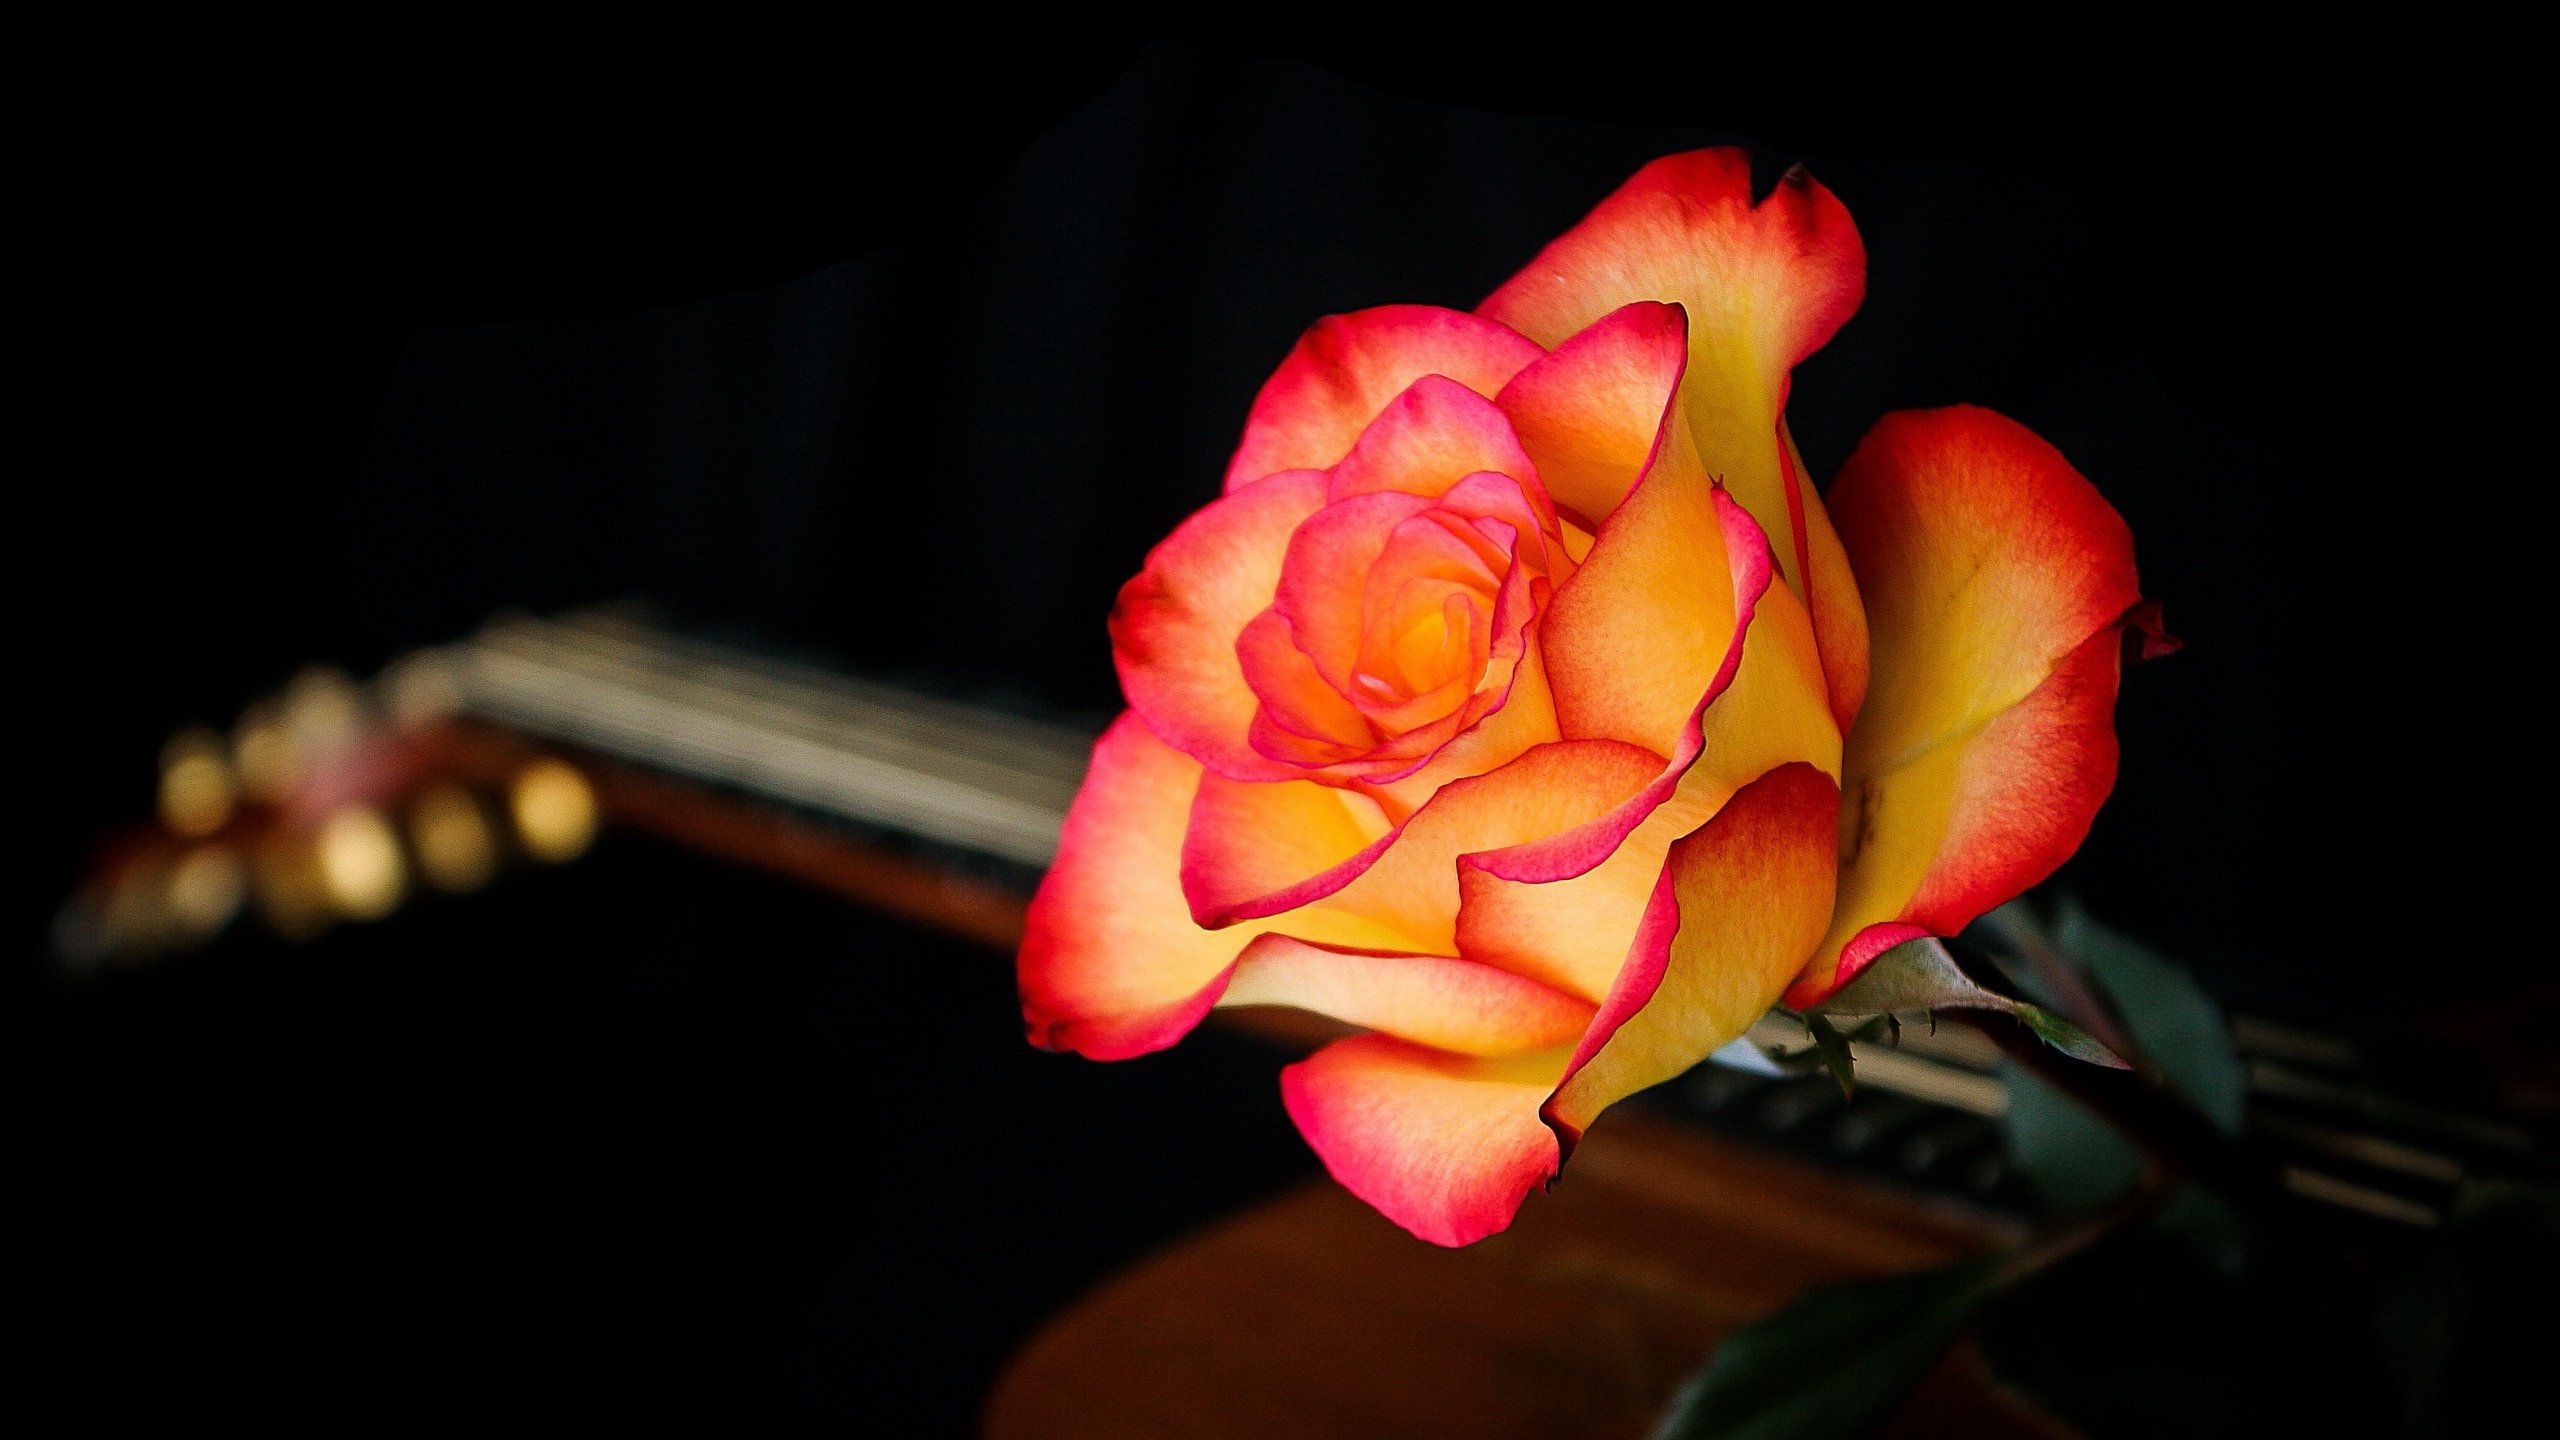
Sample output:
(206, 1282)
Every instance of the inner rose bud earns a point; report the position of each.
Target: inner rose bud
(1405, 603)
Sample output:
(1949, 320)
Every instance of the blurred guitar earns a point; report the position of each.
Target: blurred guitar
(338, 803)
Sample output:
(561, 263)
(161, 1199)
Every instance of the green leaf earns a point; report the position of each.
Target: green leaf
(1833, 1364)
(1921, 975)
(2174, 1021)
(2072, 1158)
(2066, 1037)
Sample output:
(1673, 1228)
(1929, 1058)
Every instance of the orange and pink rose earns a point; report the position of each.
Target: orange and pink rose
(1521, 704)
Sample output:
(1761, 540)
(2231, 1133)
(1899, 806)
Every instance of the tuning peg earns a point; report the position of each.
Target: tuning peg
(284, 876)
(361, 869)
(204, 890)
(554, 809)
(262, 754)
(197, 793)
(449, 832)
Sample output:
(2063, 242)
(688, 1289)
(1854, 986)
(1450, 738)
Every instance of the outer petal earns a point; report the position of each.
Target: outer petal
(1112, 964)
(1442, 1143)
(1568, 909)
(1592, 414)
(1998, 582)
(1246, 840)
(1434, 1000)
(1549, 790)
(1748, 894)
(1404, 884)
(1428, 437)
(1174, 631)
(1650, 623)
(1565, 907)
(1764, 285)
(1347, 367)
(1839, 616)
(1445, 1145)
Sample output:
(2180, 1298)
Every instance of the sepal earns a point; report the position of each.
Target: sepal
(1921, 974)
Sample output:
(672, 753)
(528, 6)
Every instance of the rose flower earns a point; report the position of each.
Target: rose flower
(1521, 704)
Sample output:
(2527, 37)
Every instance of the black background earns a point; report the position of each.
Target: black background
(908, 368)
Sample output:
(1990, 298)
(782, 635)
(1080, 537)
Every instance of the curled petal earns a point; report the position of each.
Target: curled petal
(1412, 886)
(1445, 1145)
(1566, 909)
(1592, 414)
(1174, 631)
(1303, 719)
(1998, 583)
(1435, 1000)
(1672, 637)
(1347, 367)
(1112, 964)
(1249, 845)
(1431, 435)
(1321, 590)
(1764, 285)
(1656, 620)
(1831, 598)
(1740, 902)
(1440, 1142)
(1564, 906)
(1519, 713)
(1404, 883)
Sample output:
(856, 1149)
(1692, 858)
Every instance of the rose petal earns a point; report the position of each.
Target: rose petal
(1436, 1000)
(1653, 621)
(1970, 825)
(1839, 616)
(1747, 896)
(1246, 840)
(1548, 790)
(1406, 881)
(1565, 909)
(1446, 1146)
(1591, 414)
(1440, 1142)
(1174, 631)
(1521, 713)
(1764, 286)
(1322, 582)
(1430, 437)
(1347, 367)
(1112, 964)
(1314, 722)
(1997, 582)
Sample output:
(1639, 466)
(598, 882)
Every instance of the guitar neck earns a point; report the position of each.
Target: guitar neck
(978, 780)
(947, 812)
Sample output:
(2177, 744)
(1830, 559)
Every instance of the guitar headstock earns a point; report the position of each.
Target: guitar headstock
(331, 802)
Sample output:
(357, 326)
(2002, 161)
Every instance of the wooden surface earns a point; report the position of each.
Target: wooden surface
(1312, 1316)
